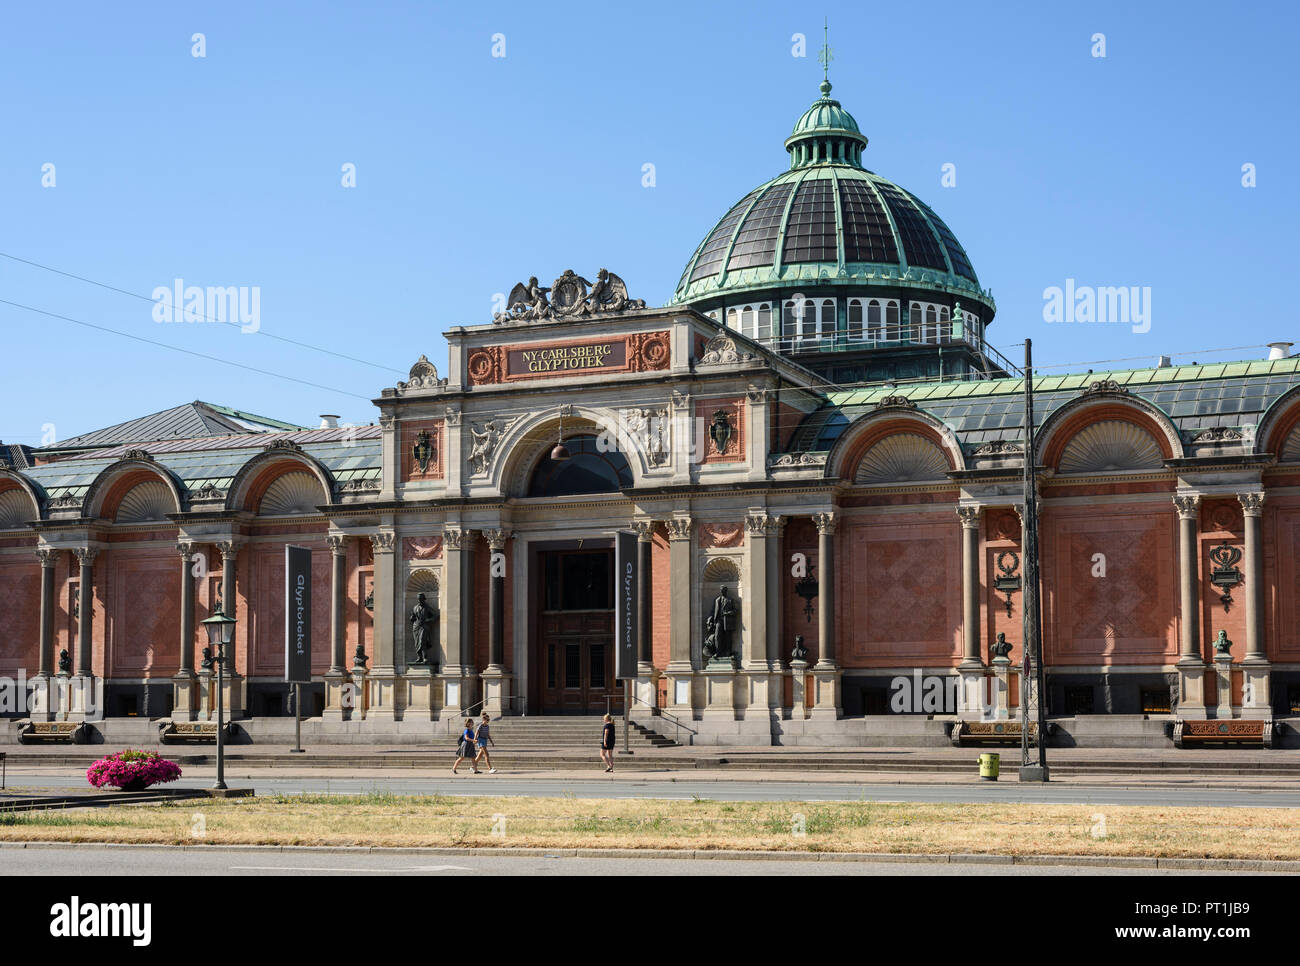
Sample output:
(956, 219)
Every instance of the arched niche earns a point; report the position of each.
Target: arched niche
(1110, 446)
(423, 581)
(292, 493)
(148, 501)
(902, 458)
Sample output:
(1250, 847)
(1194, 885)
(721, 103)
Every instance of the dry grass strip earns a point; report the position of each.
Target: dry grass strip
(386, 820)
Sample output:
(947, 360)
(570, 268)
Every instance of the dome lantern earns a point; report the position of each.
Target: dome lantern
(826, 134)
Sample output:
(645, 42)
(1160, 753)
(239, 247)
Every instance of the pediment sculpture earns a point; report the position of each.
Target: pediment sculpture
(570, 296)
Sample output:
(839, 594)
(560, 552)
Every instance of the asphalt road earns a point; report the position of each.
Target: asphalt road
(748, 791)
(125, 861)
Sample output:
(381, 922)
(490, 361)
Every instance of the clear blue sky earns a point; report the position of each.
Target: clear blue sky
(474, 172)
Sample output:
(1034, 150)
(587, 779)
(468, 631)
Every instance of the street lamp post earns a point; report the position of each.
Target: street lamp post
(221, 630)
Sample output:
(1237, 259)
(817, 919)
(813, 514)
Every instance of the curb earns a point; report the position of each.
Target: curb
(937, 858)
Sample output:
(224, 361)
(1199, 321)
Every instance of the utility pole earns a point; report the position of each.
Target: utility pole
(1032, 622)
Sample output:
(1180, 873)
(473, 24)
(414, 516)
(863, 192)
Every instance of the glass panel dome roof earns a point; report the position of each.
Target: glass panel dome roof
(828, 218)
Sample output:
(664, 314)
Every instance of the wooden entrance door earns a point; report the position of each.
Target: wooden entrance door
(576, 633)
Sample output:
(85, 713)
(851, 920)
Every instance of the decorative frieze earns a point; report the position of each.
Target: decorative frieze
(422, 548)
(721, 535)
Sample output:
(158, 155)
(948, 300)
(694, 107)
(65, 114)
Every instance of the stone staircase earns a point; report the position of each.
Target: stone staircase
(568, 733)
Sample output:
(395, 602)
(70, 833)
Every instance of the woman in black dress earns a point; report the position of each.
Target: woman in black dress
(607, 743)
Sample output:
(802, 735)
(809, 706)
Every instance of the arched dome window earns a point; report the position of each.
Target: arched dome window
(855, 321)
(587, 470)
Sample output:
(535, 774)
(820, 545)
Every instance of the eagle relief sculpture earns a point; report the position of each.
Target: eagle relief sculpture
(570, 296)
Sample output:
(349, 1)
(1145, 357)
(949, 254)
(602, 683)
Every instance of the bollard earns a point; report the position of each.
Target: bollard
(989, 765)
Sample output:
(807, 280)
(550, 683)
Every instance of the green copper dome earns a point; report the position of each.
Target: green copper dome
(828, 220)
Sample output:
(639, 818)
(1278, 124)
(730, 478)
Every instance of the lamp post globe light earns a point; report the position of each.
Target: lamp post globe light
(221, 631)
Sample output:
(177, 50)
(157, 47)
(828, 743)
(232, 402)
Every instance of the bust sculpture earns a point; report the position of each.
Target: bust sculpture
(1222, 645)
(1000, 649)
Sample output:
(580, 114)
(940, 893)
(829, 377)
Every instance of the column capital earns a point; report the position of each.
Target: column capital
(679, 528)
(86, 555)
(758, 523)
(970, 515)
(229, 548)
(496, 538)
(1252, 504)
(1188, 506)
(186, 549)
(454, 537)
(644, 530)
(383, 541)
(338, 544)
(826, 523)
(49, 556)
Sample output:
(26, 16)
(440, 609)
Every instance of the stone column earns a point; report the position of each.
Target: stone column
(970, 698)
(757, 672)
(1191, 662)
(339, 698)
(682, 593)
(42, 706)
(233, 696)
(645, 669)
(384, 698)
(458, 671)
(772, 593)
(826, 673)
(496, 680)
(184, 705)
(85, 608)
(1257, 700)
(85, 700)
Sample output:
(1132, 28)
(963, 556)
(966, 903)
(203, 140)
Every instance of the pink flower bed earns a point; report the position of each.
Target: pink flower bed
(132, 769)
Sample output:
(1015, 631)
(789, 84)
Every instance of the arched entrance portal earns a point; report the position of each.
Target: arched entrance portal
(572, 591)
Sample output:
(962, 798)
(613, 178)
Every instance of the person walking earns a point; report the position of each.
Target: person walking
(481, 738)
(465, 747)
(607, 743)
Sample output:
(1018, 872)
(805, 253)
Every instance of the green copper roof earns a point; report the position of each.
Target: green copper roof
(828, 220)
(1194, 397)
(833, 222)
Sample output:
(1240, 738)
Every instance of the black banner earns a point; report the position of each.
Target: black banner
(625, 597)
(297, 615)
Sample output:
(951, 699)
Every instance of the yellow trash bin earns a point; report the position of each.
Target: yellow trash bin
(989, 765)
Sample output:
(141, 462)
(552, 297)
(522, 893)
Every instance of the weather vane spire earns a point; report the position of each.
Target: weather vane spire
(825, 57)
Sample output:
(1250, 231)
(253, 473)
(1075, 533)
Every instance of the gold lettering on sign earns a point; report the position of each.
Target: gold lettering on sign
(567, 358)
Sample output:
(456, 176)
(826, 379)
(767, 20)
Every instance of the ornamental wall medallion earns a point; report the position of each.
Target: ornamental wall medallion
(483, 366)
(649, 351)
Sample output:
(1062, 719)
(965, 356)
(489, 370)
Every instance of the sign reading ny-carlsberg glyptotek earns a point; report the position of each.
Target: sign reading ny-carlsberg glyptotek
(625, 601)
(297, 615)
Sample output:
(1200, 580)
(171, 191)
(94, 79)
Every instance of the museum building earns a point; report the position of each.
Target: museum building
(818, 451)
